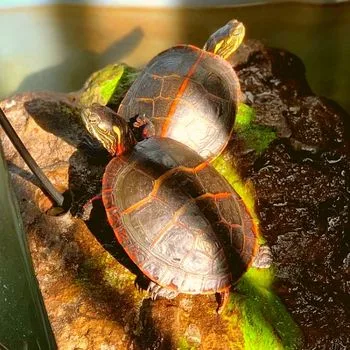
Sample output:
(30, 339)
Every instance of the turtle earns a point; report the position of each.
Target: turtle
(189, 94)
(175, 216)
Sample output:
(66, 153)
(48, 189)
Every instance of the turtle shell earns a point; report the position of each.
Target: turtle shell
(189, 95)
(177, 218)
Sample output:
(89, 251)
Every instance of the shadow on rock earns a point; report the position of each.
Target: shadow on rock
(71, 74)
(59, 115)
(85, 179)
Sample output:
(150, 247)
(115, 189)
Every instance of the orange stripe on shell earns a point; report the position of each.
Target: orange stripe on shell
(179, 94)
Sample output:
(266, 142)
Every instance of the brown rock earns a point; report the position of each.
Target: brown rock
(302, 189)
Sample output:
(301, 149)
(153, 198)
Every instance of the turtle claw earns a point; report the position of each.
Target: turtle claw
(154, 290)
(149, 287)
(148, 128)
(137, 286)
(140, 121)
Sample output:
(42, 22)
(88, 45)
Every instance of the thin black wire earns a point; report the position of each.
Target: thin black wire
(45, 183)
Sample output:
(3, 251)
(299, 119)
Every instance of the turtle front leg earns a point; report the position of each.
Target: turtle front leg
(146, 125)
(222, 299)
(263, 259)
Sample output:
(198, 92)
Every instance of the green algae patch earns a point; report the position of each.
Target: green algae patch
(257, 137)
(266, 324)
(263, 319)
(244, 117)
(108, 85)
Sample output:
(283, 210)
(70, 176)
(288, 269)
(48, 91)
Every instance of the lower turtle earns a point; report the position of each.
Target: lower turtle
(175, 216)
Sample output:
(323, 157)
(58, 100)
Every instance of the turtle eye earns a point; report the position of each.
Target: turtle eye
(94, 119)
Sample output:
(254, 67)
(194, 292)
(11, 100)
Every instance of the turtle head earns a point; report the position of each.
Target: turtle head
(109, 128)
(225, 41)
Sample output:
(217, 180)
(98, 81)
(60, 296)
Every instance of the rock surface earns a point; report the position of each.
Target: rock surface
(302, 189)
(302, 199)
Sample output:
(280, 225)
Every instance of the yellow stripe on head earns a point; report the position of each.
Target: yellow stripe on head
(118, 132)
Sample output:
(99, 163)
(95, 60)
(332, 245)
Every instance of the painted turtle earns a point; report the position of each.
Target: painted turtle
(189, 94)
(175, 216)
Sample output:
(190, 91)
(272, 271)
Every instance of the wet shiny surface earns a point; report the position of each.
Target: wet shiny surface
(301, 185)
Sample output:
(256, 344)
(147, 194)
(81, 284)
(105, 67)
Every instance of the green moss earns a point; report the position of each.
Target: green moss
(244, 117)
(108, 85)
(255, 136)
(264, 321)
(128, 77)
(266, 324)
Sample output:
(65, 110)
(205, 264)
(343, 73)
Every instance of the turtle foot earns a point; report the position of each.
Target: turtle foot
(145, 125)
(263, 260)
(155, 290)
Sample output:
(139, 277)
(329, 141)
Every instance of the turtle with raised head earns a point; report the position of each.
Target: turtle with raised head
(175, 216)
(189, 94)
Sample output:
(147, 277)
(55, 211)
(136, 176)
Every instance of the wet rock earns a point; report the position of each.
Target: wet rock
(302, 193)
(301, 184)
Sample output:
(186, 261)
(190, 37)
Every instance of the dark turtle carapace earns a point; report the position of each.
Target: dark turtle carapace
(176, 217)
(189, 94)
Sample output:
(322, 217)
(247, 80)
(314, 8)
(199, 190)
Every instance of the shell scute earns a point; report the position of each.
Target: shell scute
(174, 61)
(166, 193)
(176, 244)
(171, 84)
(140, 221)
(150, 86)
(198, 263)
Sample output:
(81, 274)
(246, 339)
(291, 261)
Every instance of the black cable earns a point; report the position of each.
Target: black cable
(45, 183)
